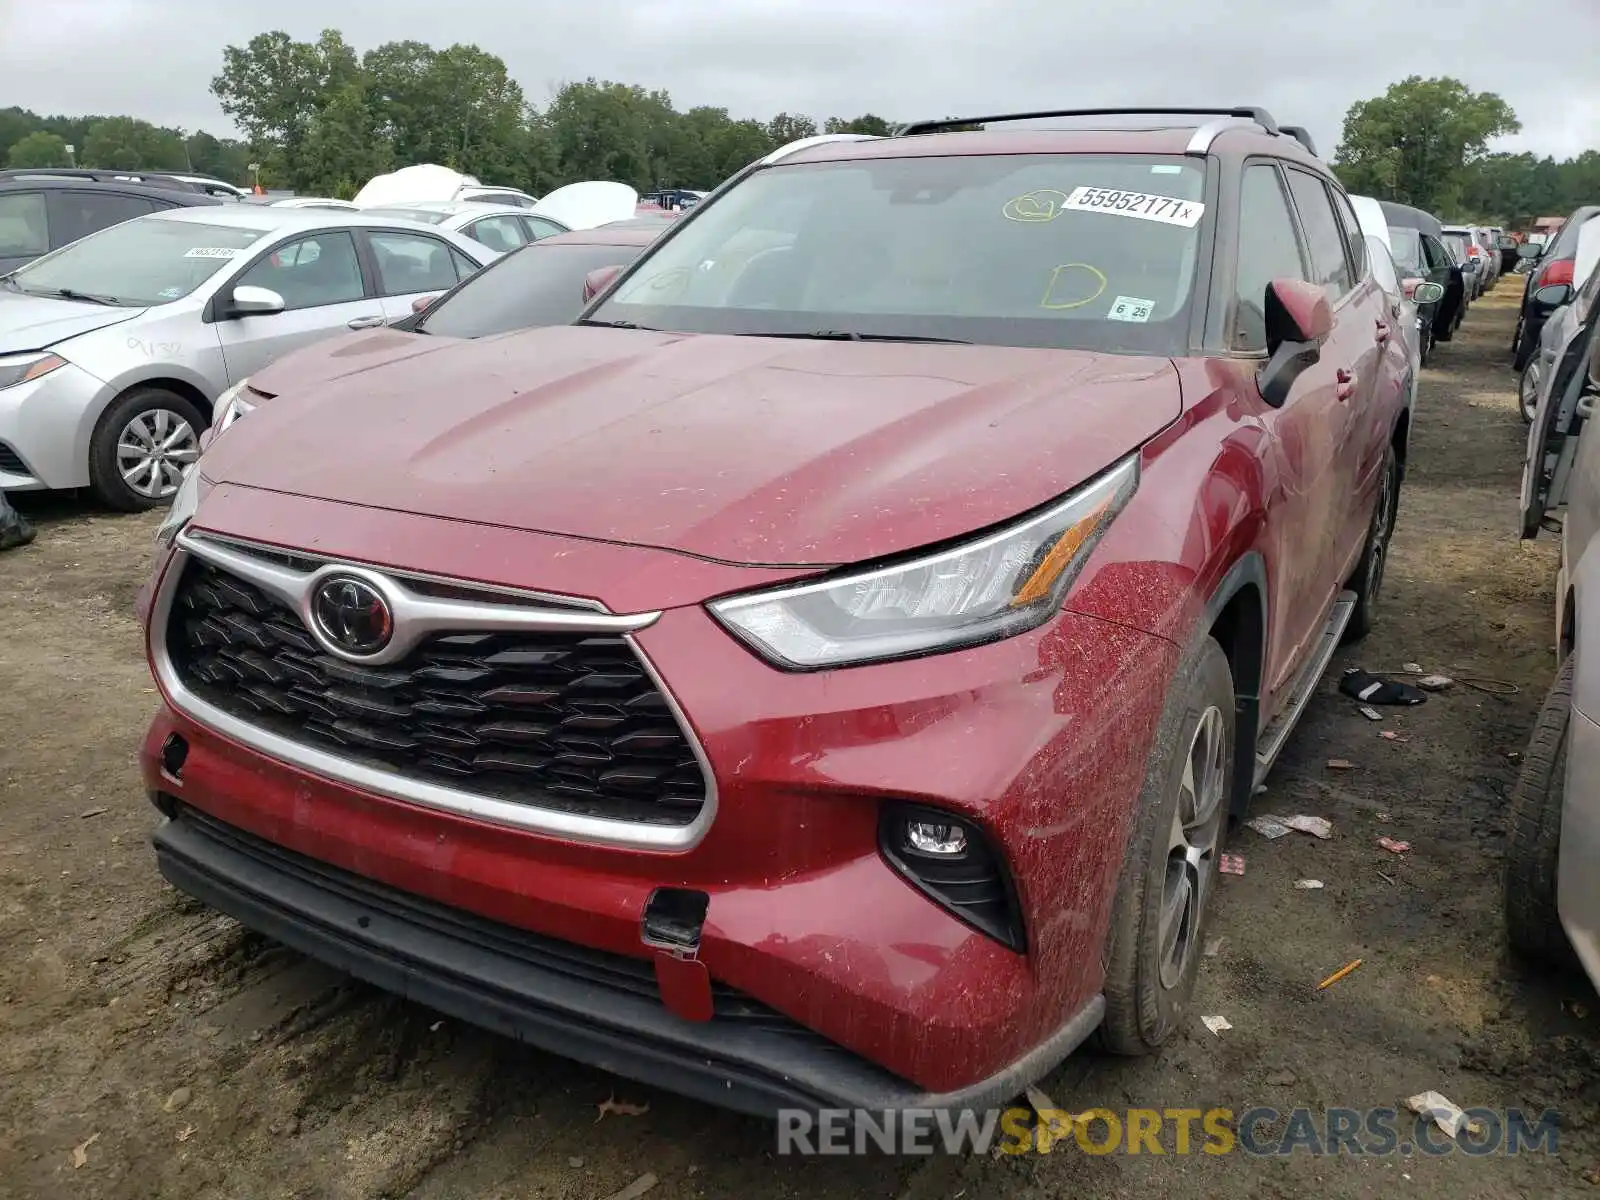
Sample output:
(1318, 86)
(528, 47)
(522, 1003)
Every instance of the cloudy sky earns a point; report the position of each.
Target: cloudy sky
(1306, 60)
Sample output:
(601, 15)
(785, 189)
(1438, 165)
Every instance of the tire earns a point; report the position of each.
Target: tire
(156, 413)
(1146, 989)
(1516, 337)
(1533, 843)
(1367, 582)
(1528, 391)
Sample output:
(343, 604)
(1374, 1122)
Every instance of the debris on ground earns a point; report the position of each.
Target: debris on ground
(1216, 1024)
(635, 1189)
(80, 1152)
(179, 1099)
(1231, 864)
(1390, 735)
(620, 1107)
(1392, 846)
(93, 812)
(1434, 683)
(1576, 1008)
(1370, 713)
(1281, 1079)
(187, 1132)
(1308, 885)
(1374, 689)
(1268, 827)
(1412, 668)
(1450, 1119)
(1214, 946)
(1317, 827)
(1339, 974)
(1340, 764)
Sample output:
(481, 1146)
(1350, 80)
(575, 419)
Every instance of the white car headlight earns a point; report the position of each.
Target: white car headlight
(231, 405)
(985, 590)
(185, 501)
(20, 368)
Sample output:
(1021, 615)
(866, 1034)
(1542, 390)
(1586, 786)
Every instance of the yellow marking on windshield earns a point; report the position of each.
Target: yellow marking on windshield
(1055, 278)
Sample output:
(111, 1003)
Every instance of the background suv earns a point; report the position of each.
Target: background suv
(39, 214)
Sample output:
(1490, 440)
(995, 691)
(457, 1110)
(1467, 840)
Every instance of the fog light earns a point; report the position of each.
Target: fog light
(939, 840)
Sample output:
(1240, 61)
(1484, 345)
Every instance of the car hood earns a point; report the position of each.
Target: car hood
(589, 205)
(737, 449)
(342, 356)
(37, 322)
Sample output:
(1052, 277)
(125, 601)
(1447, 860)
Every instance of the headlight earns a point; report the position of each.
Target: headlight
(184, 503)
(989, 589)
(230, 406)
(20, 368)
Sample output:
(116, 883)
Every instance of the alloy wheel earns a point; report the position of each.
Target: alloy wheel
(1382, 527)
(153, 451)
(1528, 390)
(1192, 848)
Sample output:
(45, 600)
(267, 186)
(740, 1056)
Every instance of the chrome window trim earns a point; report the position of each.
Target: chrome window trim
(429, 616)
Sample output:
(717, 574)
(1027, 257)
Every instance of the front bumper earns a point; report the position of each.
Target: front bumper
(45, 427)
(1041, 740)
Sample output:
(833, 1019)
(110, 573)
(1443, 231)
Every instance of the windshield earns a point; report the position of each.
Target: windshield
(149, 260)
(1406, 246)
(1064, 250)
(424, 215)
(539, 285)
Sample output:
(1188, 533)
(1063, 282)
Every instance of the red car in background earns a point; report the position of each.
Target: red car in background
(823, 674)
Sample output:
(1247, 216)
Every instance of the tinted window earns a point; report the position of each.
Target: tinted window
(1328, 264)
(542, 285)
(1438, 256)
(148, 261)
(464, 265)
(23, 230)
(311, 271)
(411, 262)
(1352, 231)
(502, 233)
(1269, 249)
(78, 214)
(1070, 250)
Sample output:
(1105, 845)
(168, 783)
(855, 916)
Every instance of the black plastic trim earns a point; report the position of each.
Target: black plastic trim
(1011, 932)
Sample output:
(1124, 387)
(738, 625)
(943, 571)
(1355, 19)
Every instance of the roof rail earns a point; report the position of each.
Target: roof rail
(819, 139)
(1302, 135)
(156, 179)
(1250, 113)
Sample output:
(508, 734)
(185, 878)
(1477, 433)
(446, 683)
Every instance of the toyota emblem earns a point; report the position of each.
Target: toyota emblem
(352, 615)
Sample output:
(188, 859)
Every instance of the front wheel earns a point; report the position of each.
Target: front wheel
(141, 447)
(1533, 843)
(1528, 391)
(1367, 582)
(1153, 948)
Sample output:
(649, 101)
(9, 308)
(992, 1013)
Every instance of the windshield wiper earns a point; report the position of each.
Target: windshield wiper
(848, 335)
(74, 294)
(618, 325)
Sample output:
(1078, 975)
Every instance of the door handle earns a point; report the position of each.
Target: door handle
(365, 322)
(1345, 387)
(1383, 332)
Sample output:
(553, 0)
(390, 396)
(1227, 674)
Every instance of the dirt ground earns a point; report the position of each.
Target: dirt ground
(173, 1054)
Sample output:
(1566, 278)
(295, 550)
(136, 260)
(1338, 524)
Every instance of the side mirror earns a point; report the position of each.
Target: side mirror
(1553, 295)
(1427, 293)
(1529, 250)
(1298, 320)
(422, 302)
(250, 301)
(598, 280)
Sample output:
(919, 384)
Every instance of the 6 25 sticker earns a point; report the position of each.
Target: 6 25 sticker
(1143, 205)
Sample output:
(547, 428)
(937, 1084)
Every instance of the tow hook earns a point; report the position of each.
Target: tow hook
(671, 925)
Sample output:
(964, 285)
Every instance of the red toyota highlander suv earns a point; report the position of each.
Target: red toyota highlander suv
(822, 675)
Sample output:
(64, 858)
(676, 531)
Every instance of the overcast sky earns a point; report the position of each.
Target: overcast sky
(1305, 60)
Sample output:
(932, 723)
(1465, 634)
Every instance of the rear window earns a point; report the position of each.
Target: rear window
(540, 284)
(1065, 250)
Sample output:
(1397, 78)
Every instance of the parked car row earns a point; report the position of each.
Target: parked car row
(823, 616)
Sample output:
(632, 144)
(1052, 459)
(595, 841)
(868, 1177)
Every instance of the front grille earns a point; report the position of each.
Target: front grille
(567, 721)
(11, 462)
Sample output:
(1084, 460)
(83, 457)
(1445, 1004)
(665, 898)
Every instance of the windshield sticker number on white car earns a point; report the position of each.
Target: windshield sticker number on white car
(1167, 209)
(1042, 204)
(1131, 308)
(210, 252)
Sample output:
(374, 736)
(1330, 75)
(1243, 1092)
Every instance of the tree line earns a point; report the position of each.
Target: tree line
(320, 119)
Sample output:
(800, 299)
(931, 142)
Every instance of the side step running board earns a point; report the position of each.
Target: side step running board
(1270, 744)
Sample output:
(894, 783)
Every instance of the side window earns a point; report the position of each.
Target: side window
(74, 215)
(1353, 236)
(1438, 257)
(538, 228)
(23, 231)
(1269, 248)
(464, 265)
(411, 262)
(501, 233)
(310, 271)
(1329, 266)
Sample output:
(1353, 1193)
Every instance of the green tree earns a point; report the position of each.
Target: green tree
(127, 143)
(785, 128)
(1415, 142)
(221, 158)
(39, 149)
(342, 148)
(866, 123)
(274, 87)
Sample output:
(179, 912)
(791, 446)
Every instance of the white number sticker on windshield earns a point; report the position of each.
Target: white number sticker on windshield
(1146, 207)
(1131, 308)
(210, 252)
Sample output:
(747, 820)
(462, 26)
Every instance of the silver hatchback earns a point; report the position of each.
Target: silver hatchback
(113, 349)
